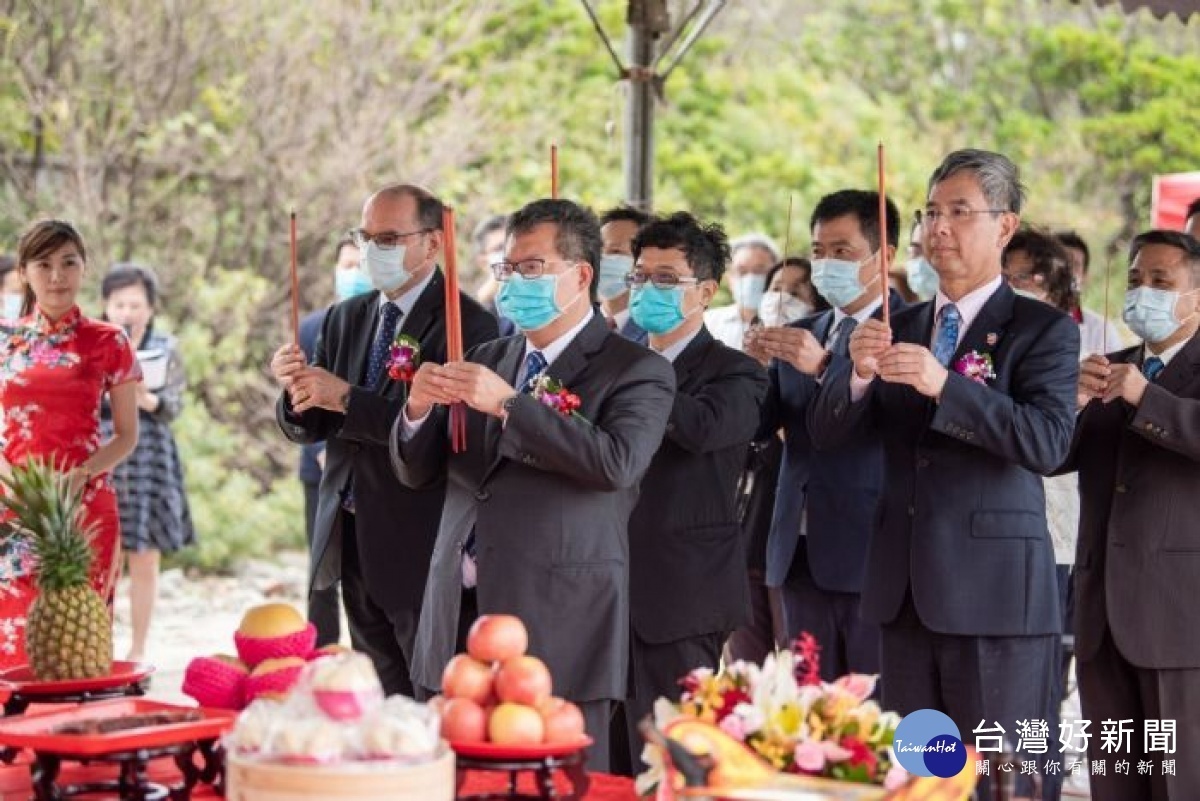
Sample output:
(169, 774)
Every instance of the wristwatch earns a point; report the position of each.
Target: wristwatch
(507, 405)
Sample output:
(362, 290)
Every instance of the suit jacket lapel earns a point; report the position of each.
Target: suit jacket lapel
(692, 356)
(507, 368)
(418, 321)
(361, 337)
(1178, 374)
(821, 326)
(988, 326)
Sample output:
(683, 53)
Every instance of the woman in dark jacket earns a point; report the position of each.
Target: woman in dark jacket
(155, 518)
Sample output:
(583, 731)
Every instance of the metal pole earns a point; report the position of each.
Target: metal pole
(639, 110)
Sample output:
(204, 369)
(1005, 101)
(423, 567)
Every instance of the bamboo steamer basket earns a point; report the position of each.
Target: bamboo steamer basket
(249, 780)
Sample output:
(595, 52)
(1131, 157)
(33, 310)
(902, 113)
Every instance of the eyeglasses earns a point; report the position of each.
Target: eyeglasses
(659, 280)
(1024, 279)
(526, 268)
(385, 240)
(956, 215)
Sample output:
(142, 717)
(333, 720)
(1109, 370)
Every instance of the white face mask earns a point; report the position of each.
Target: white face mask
(613, 269)
(385, 268)
(749, 289)
(779, 308)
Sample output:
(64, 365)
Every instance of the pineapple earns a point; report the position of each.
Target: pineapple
(68, 631)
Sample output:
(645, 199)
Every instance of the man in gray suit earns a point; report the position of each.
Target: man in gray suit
(1137, 450)
(537, 505)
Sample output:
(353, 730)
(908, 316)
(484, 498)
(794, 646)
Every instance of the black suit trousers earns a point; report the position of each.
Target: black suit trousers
(324, 606)
(994, 679)
(387, 636)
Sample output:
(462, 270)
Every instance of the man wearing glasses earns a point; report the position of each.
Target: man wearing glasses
(537, 506)
(688, 586)
(374, 534)
(973, 396)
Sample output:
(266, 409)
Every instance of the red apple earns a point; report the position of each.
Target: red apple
(515, 724)
(495, 638)
(523, 680)
(464, 721)
(563, 721)
(465, 677)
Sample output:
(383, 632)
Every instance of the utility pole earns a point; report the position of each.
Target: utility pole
(648, 20)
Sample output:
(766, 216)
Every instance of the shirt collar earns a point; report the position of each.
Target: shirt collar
(860, 316)
(969, 305)
(672, 352)
(1167, 354)
(406, 301)
(555, 348)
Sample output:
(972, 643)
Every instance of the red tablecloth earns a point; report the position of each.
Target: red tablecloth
(15, 784)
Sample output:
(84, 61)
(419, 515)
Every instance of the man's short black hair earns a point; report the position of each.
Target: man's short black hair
(705, 247)
(1070, 239)
(1175, 239)
(864, 205)
(624, 214)
(343, 242)
(486, 228)
(577, 235)
(1192, 210)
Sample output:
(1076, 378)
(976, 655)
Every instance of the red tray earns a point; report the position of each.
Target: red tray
(36, 732)
(518, 752)
(20, 680)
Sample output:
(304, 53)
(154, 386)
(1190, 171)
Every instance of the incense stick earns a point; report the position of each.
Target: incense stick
(295, 276)
(1104, 331)
(454, 343)
(554, 171)
(883, 238)
(787, 242)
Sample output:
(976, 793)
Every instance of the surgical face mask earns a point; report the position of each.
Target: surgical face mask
(531, 303)
(749, 290)
(613, 269)
(385, 267)
(1150, 313)
(837, 280)
(350, 283)
(780, 308)
(12, 305)
(657, 310)
(922, 278)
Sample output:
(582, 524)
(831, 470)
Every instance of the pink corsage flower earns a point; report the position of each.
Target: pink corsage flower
(550, 392)
(976, 366)
(403, 358)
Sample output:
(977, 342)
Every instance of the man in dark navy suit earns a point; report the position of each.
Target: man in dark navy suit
(687, 577)
(373, 534)
(826, 500)
(973, 396)
(618, 226)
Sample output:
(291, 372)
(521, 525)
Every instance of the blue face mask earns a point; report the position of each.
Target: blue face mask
(749, 291)
(922, 278)
(1150, 313)
(12, 305)
(350, 283)
(613, 269)
(530, 302)
(659, 311)
(837, 281)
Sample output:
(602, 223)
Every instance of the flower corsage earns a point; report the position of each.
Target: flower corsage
(550, 392)
(976, 366)
(404, 358)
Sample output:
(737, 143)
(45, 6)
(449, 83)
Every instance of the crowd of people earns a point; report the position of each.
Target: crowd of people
(937, 470)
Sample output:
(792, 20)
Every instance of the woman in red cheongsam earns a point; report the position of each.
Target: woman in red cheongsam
(55, 365)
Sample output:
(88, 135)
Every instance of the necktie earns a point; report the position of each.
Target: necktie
(382, 346)
(380, 349)
(947, 335)
(839, 341)
(1152, 367)
(535, 363)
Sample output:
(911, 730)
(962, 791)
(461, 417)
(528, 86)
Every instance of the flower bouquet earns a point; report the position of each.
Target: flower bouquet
(785, 715)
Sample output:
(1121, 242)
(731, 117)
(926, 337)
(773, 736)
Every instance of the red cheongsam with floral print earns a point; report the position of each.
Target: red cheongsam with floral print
(52, 378)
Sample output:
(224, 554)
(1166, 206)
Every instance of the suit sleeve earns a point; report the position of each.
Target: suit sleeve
(315, 425)
(724, 413)
(1032, 426)
(769, 414)
(609, 453)
(1169, 421)
(420, 461)
(833, 418)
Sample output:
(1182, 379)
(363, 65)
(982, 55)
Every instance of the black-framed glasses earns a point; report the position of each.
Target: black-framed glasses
(526, 268)
(384, 240)
(662, 280)
(955, 215)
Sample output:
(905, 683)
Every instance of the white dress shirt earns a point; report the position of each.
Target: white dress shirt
(726, 324)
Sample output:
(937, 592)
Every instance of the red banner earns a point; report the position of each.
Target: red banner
(1172, 194)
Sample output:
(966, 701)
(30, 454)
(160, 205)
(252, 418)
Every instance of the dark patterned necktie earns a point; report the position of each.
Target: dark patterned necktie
(535, 363)
(839, 340)
(1152, 367)
(381, 348)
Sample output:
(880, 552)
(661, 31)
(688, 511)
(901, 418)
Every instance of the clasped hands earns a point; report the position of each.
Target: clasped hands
(307, 387)
(1100, 378)
(457, 382)
(874, 354)
(796, 346)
